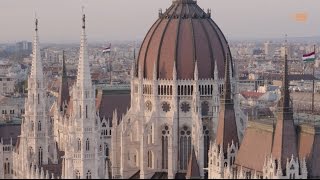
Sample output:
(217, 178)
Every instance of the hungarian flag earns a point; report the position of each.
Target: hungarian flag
(311, 57)
(107, 49)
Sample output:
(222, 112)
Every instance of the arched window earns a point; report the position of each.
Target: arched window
(191, 90)
(150, 159)
(185, 147)
(79, 145)
(38, 98)
(87, 145)
(39, 126)
(86, 111)
(248, 175)
(205, 108)
(8, 168)
(106, 150)
(182, 90)
(206, 144)
(89, 175)
(40, 156)
(5, 168)
(77, 173)
(164, 141)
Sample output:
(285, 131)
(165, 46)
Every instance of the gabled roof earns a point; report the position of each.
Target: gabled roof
(309, 148)
(108, 101)
(256, 145)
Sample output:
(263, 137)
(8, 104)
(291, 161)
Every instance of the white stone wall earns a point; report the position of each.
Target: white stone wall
(158, 103)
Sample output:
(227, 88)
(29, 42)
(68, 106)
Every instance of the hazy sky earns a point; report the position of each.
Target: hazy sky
(108, 20)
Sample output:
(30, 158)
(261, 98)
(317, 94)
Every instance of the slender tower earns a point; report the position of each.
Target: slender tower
(82, 153)
(34, 129)
(285, 135)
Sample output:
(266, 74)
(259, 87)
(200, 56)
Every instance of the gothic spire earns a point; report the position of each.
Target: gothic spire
(285, 135)
(227, 127)
(64, 70)
(285, 103)
(64, 94)
(84, 74)
(36, 67)
(227, 82)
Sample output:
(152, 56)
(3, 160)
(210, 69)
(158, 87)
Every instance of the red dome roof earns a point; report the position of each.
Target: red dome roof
(183, 34)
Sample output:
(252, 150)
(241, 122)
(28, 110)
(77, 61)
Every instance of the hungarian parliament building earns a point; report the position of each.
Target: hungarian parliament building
(181, 118)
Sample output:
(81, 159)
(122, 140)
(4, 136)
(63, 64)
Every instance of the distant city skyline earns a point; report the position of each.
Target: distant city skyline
(111, 20)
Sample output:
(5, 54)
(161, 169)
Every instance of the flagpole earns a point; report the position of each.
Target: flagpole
(313, 82)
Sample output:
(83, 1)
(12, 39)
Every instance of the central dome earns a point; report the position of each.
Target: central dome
(184, 34)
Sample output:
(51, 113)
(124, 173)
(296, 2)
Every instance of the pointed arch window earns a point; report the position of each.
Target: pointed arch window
(39, 125)
(185, 147)
(79, 145)
(87, 145)
(86, 111)
(164, 140)
(77, 173)
(106, 150)
(40, 156)
(8, 168)
(80, 111)
(206, 143)
(5, 168)
(38, 98)
(89, 175)
(150, 159)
